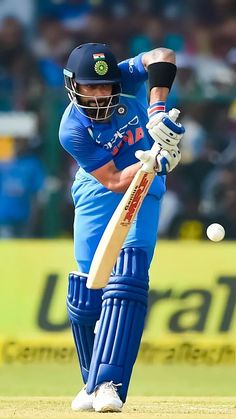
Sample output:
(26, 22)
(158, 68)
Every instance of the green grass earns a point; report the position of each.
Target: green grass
(135, 408)
(156, 391)
(147, 380)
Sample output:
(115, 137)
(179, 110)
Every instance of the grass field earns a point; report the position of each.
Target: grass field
(147, 380)
(136, 407)
(156, 391)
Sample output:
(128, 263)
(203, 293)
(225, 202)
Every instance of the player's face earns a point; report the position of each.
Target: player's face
(95, 95)
(98, 91)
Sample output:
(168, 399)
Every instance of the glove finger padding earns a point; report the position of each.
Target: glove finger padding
(167, 160)
(163, 138)
(154, 120)
(177, 134)
(165, 131)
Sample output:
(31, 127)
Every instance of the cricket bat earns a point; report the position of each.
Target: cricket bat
(119, 225)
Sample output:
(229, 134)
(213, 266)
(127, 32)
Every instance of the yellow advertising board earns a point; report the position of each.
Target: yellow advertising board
(192, 299)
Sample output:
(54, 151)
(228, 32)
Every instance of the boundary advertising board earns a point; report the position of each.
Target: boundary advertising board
(192, 299)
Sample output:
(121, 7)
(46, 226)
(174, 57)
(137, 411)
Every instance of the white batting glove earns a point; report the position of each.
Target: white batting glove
(167, 161)
(163, 128)
(162, 163)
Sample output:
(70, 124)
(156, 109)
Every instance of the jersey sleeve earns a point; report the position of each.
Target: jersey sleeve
(79, 143)
(133, 75)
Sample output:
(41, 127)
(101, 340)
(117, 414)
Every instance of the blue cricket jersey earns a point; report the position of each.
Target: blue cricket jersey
(92, 145)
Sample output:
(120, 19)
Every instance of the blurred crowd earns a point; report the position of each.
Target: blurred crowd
(35, 177)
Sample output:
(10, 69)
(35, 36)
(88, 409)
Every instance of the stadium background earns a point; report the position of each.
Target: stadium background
(190, 331)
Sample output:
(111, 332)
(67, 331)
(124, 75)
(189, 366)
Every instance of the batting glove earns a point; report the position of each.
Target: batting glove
(162, 163)
(163, 128)
(166, 161)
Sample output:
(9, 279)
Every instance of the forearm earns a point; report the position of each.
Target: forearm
(158, 94)
(120, 180)
(155, 56)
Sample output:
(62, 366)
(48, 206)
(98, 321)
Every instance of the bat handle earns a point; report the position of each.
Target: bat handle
(173, 114)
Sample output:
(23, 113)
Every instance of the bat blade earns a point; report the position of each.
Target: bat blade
(117, 229)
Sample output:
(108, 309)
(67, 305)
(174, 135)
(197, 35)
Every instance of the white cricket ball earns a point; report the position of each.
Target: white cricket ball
(215, 232)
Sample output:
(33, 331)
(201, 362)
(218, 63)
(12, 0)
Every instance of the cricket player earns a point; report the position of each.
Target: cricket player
(106, 122)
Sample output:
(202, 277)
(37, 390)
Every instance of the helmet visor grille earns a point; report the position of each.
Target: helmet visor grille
(95, 107)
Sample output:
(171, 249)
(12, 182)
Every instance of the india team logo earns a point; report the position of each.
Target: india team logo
(101, 68)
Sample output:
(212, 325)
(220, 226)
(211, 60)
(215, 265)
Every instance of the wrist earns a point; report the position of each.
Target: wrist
(158, 94)
(155, 108)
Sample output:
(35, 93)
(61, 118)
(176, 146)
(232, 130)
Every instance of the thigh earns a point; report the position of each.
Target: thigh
(89, 225)
(143, 233)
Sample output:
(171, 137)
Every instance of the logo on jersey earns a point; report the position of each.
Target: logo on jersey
(122, 110)
(101, 68)
(131, 65)
(129, 134)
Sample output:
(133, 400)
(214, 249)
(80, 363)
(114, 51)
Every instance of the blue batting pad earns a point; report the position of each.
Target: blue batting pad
(84, 307)
(121, 323)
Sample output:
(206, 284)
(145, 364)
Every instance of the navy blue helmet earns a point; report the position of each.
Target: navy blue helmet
(93, 64)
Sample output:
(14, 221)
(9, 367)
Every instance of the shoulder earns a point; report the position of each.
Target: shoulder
(70, 118)
(133, 74)
(71, 125)
(133, 65)
(76, 138)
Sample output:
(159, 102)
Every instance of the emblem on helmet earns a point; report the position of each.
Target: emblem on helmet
(101, 68)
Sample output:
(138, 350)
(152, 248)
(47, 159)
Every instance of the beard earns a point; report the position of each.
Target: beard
(97, 109)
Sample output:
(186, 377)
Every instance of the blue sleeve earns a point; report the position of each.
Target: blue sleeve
(82, 147)
(133, 75)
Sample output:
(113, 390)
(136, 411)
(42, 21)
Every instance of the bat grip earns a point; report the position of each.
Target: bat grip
(173, 114)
